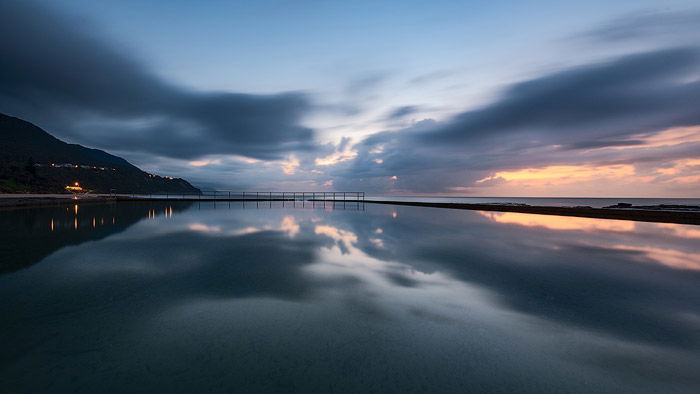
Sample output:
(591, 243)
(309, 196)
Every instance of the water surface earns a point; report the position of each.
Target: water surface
(312, 297)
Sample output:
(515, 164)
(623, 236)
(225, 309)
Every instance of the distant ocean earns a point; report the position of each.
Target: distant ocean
(544, 201)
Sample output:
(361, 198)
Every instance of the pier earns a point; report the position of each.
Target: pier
(228, 195)
(642, 214)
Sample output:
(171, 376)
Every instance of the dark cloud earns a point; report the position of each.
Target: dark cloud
(400, 112)
(541, 121)
(603, 143)
(632, 94)
(61, 76)
(663, 24)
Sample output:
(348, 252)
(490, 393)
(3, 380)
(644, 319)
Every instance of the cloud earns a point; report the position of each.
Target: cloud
(575, 117)
(69, 81)
(656, 25)
(366, 84)
(432, 77)
(400, 112)
(64, 78)
(342, 152)
(641, 92)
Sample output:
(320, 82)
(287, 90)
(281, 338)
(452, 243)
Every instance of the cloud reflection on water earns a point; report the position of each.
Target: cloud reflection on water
(667, 256)
(566, 294)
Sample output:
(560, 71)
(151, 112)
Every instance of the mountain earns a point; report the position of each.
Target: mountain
(34, 161)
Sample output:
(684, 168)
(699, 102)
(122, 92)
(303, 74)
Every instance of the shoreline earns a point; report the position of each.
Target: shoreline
(631, 213)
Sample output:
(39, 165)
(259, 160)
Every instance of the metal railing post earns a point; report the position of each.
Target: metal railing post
(245, 196)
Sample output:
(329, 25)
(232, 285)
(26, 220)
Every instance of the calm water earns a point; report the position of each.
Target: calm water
(185, 298)
(544, 201)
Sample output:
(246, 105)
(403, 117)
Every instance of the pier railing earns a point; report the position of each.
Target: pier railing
(231, 195)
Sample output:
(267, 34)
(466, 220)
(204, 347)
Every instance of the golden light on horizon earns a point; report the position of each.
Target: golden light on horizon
(674, 176)
(562, 174)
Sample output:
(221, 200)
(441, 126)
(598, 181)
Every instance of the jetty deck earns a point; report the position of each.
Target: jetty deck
(644, 214)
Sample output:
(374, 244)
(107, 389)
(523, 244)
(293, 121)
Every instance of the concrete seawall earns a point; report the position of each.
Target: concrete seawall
(642, 215)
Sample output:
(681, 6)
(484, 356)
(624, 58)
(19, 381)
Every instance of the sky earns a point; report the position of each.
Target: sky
(471, 98)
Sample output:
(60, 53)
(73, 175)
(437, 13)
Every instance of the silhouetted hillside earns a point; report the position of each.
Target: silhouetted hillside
(32, 160)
